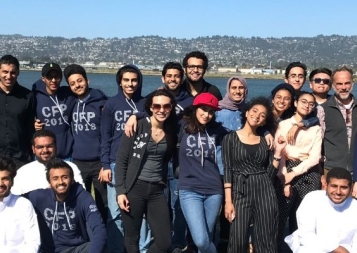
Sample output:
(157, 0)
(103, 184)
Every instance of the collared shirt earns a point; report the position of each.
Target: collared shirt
(17, 114)
(19, 230)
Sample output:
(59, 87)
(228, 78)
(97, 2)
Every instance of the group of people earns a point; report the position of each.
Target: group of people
(164, 167)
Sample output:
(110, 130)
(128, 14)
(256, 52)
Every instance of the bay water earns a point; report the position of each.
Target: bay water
(107, 83)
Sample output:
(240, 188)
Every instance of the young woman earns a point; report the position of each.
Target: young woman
(282, 100)
(141, 172)
(298, 170)
(200, 186)
(249, 169)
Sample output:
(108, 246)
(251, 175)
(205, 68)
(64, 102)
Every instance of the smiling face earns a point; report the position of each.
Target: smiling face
(60, 181)
(194, 70)
(44, 148)
(342, 84)
(204, 114)
(172, 79)
(237, 91)
(8, 76)
(161, 108)
(52, 81)
(304, 104)
(257, 115)
(282, 101)
(129, 83)
(338, 190)
(320, 87)
(5, 184)
(296, 78)
(78, 85)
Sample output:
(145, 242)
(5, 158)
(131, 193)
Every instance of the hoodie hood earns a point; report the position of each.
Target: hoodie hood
(183, 99)
(137, 94)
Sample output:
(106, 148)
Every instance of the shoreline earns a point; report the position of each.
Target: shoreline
(207, 74)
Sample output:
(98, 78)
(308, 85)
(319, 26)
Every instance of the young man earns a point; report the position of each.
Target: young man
(195, 66)
(32, 176)
(295, 75)
(327, 219)
(19, 229)
(18, 112)
(320, 84)
(54, 104)
(86, 120)
(65, 211)
(115, 113)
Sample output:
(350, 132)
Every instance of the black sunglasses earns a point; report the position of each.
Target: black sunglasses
(324, 81)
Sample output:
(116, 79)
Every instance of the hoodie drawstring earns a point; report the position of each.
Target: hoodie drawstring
(54, 217)
(56, 214)
(59, 108)
(132, 105)
(212, 142)
(85, 119)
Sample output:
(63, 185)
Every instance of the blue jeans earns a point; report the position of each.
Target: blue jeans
(201, 213)
(115, 229)
(178, 220)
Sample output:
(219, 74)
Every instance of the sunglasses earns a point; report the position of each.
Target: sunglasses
(323, 80)
(157, 107)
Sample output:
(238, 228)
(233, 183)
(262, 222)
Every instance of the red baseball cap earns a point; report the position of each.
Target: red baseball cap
(206, 99)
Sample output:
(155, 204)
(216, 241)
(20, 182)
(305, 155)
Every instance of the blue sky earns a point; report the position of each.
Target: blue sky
(180, 19)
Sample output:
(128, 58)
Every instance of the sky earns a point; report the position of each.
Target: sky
(180, 19)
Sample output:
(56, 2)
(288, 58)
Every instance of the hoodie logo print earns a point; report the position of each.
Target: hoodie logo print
(59, 219)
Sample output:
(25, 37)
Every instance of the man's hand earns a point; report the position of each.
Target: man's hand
(38, 125)
(340, 249)
(130, 126)
(105, 176)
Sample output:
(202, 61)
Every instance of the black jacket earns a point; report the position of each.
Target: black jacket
(207, 87)
(130, 157)
(17, 114)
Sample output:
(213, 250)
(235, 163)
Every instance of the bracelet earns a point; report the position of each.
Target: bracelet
(227, 187)
(296, 124)
(277, 158)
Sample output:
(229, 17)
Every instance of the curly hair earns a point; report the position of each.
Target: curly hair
(270, 123)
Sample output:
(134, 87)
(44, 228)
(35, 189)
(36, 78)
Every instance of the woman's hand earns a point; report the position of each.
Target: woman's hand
(123, 202)
(270, 140)
(289, 177)
(229, 212)
(279, 143)
(287, 190)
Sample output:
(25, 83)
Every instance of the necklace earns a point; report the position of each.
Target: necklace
(156, 132)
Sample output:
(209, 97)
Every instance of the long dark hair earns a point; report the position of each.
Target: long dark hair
(193, 126)
(171, 123)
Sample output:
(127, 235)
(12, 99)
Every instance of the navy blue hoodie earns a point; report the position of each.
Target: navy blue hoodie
(66, 221)
(198, 160)
(55, 111)
(86, 120)
(183, 100)
(115, 113)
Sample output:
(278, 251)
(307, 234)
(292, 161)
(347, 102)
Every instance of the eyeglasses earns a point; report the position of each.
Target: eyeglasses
(56, 77)
(41, 147)
(193, 67)
(294, 76)
(323, 80)
(306, 103)
(157, 107)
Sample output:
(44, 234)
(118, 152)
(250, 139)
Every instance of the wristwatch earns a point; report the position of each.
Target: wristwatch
(277, 158)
